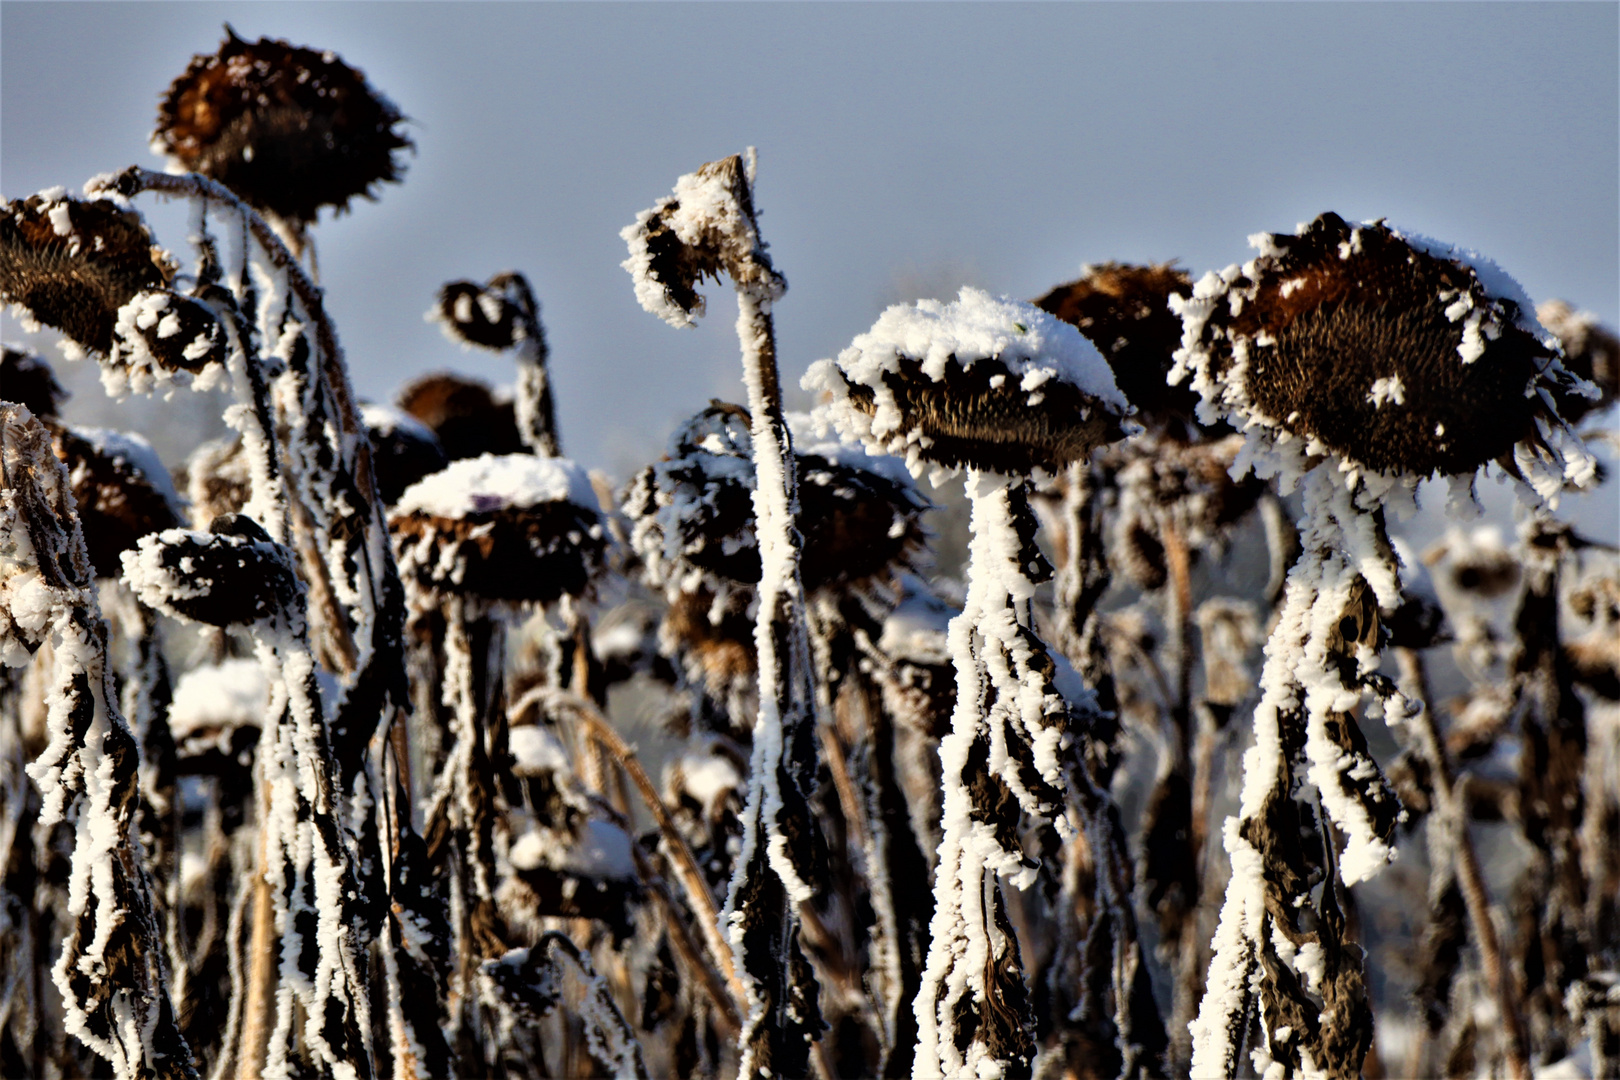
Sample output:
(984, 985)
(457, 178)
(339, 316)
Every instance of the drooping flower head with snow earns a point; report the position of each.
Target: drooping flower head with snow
(289, 129)
(991, 384)
(514, 528)
(693, 511)
(1389, 352)
(232, 575)
(1124, 310)
(463, 414)
(90, 269)
(705, 229)
(121, 487)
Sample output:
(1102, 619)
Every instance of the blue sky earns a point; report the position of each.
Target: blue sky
(905, 150)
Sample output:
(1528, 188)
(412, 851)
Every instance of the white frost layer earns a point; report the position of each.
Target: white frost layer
(498, 482)
(387, 419)
(225, 695)
(536, 751)
(134, 451)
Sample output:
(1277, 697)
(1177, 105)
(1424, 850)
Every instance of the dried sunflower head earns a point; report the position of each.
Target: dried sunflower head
(27, 379)
(122, 489)
(1591, 352)
(403, 449)
(498, 314)
(1398, 355)
(707, 227)
(1124, 310)
(510, 529)
(983, 383)
(232, 575)
(72, 264)
(289, 129)
(694, 510)
(463, 414)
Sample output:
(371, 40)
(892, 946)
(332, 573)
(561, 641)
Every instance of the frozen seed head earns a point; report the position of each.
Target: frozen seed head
(983, 383)
(122, 490)
(498, 315)
(288, 129)
(463, 414)
(233, 575)
(28, 380)
(74, 264)
(1398, 354)
(515, 528)
(403, 449)
(1591, 352)
(707, 227)
(694, 509)
(1124, 311)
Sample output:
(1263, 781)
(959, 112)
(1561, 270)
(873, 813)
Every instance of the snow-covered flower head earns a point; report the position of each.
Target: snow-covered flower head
(707, 227)
(981, 382)
(514, 528)
(289, 129)
(694, 510)
(1591, 352)
(1124, 310)
(89, 268)
(27, 379)
(232, 575)
(403, 449)
(1392, 353)
(122, 490)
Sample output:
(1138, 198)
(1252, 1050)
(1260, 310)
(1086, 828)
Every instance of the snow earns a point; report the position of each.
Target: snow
(230, 694)
(536, 750)
(708, 778)
(493, 482)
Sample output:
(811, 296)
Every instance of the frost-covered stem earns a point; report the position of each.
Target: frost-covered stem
(1081, 579)
(536, 415)
(259, 1000)
(111, 971)
(783, 768)
(685, 863)
(967, 946)
(1319, 660)
(1465, 857)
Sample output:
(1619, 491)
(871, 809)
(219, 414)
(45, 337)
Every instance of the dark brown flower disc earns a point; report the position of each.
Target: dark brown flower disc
(1124, 310)
(73, 263)
(289, 129)
(1388, 354)
(463, 414)
(28, 380)
(122, 490)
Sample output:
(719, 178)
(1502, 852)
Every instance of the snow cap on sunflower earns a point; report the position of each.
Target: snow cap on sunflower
(982, 382)
(288, 129)
(505, 529)
(122, 490)
(1395, 355)
(90, 269)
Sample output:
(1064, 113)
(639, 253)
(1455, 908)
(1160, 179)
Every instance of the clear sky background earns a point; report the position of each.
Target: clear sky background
(905, 150)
